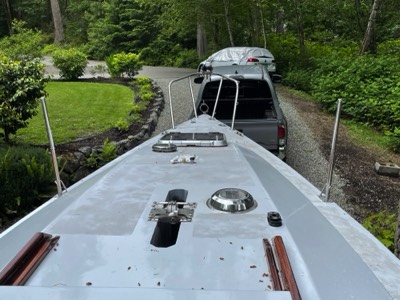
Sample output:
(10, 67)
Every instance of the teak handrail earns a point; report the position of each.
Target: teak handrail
(273, 269)
(21, 267)
(289, 282)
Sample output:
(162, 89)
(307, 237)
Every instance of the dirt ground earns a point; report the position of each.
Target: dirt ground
(366, 191)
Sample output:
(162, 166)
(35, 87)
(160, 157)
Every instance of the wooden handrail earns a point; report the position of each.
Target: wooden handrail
(273, 269)
(289, 282)
(21, 267)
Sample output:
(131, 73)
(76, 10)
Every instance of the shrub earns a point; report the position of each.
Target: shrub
(71, 62)
(383, 226)
(368, 85)
(187, 58)
(25, 172)
(106, 154)
(121, 125)
(23, 43)
(22, 83)
(299, 79)
(121, 64)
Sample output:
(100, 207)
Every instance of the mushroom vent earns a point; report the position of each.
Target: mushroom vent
(232, 200)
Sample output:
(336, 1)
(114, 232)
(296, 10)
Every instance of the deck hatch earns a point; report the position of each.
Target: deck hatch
(232, 200)
(199, 139)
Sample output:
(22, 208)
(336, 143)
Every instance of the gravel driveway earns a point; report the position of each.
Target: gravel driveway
(303, 152)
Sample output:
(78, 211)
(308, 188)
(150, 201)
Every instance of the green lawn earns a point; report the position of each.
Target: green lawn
(78, 109)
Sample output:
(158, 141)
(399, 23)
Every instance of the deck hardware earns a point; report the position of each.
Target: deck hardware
(274, 219)
(192, 139)
(164, 147)
(22, 266)
(172, 212)
(232, 200)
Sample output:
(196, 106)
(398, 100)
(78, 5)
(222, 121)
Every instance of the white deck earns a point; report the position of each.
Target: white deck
(104, 251)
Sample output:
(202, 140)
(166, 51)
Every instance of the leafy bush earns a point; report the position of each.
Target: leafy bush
(394, 143)
(22, 83)
(71, 62)
(383, 226)
(23, 43)
(25, 172)
(121, 64)
(187, 58)
(299, 79)
(368, 85)
(106, 154)
(121, 125)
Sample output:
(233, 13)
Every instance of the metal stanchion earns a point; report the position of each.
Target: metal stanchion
(52, 149)
(325, 194)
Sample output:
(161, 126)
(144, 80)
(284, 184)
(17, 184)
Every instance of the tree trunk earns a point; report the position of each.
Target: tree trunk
(228, 23)
(8, 14)
(201, 41)
(280, 24)
(300, 29)
(369, 43)
(57, 20)
(258, 7)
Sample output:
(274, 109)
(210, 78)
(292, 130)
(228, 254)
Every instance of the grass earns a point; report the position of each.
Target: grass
(367, 137)
(78, 109)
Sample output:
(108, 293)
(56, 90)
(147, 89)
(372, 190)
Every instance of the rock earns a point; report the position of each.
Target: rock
(387, 169)
(86, 150)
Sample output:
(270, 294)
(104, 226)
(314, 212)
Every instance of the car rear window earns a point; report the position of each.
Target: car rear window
(255, 100)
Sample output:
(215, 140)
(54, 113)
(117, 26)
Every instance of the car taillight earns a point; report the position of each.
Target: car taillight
(252, 59)
(281, 134)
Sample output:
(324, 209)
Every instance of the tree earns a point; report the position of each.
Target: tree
(228, 21)
(369, 43)
(22, 84)
(57, 20)
(8, 16)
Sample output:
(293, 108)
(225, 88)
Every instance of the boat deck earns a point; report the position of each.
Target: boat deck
(110, 248)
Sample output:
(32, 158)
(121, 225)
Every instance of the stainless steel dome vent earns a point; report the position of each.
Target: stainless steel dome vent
(232, 200)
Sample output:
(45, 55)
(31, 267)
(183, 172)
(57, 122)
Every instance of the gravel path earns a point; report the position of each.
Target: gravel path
(303, 152)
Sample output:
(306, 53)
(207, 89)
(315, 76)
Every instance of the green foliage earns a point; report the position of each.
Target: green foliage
(394, 143)
(121, 64)
(23, 43)
(187, 58)
(369, 87)
(390, 47)
(383, 226)
(22, 83)
(299, 79)
(71, 62)
(99, 158)
(25, 173)
(121, 125)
